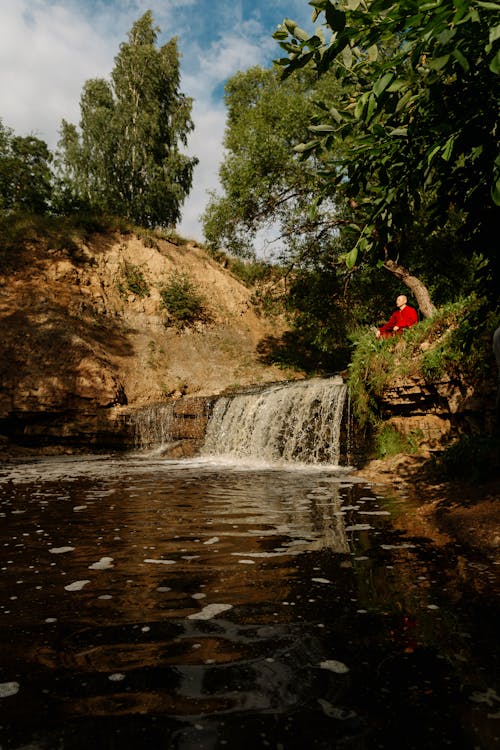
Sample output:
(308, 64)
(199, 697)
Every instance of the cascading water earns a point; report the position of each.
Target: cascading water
(292, 422)
(153, 426)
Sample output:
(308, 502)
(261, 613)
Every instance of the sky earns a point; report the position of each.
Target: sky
(49, 48)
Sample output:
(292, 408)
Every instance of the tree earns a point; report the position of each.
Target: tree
(25, 173)
(264, 186)
(126, 157)
(422, 122)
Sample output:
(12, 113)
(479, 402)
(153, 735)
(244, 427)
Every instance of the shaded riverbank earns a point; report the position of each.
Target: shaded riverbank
(451, 510)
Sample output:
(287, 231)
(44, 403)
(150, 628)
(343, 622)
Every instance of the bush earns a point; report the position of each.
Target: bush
(134, 278)
(181, 299)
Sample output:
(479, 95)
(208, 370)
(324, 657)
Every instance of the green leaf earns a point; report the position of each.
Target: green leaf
(351, 257)
(313, 209)
(432, 153)
(380, 86)
(323, 128)
(289, 25)
(372, 106)
(304, 147)
(489, 6)
(347, 57)
(494, 34)
(461, 59)
(495, 63)
(399, 131)
(495, 192)
(437, 63)
(336, 19)
(398, 84)
(360, 105)
(335, 114)
(447, 149)
(280, 34)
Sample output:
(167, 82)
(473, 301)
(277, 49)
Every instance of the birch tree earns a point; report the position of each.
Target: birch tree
(125, 158)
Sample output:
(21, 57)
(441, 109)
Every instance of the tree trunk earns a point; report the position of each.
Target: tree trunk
(417, 288)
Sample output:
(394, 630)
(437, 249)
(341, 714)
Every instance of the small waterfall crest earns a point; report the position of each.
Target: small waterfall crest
(153, 426)
(296, 422)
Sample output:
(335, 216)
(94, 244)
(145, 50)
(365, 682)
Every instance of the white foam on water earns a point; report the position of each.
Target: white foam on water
(76, 585)
(60, 550)
(159, 562)
(8, 688)
(359, 527)
(334, 666)
(103, 564)
(210, 611)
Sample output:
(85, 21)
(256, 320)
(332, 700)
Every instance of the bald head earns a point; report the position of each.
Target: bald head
(401, 301)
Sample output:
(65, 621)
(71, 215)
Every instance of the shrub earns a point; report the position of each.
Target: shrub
(182, 300)
(134, 278)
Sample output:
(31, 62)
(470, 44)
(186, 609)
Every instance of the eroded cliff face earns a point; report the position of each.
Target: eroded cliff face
(439, 411)
(81, 351)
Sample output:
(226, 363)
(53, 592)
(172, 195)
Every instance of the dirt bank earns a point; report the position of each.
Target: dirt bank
(446, 511)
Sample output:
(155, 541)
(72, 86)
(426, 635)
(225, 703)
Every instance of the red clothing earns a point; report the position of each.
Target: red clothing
(402, 318)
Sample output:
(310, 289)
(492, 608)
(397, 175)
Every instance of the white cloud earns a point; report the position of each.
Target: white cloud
(46, 55)
(205, 143)
(49, 48)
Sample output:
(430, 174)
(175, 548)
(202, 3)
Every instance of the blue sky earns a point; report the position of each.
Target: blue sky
(49, 48)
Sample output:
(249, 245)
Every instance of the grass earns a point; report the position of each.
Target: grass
(456, 342)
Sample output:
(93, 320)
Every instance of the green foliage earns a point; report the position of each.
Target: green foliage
(182, 300)
(457, 340)
(125, 157)
(263, 186)
(134, 280)
(25, 173)
(250, 272)
(389, 442)
(419, 113)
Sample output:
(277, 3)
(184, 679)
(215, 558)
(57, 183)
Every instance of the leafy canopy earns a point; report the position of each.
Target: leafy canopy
(422, 121)
(25, 173)
(264, 185)
(125, 158)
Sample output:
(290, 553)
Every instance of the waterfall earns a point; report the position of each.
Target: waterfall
(153, 426)
(296, 422)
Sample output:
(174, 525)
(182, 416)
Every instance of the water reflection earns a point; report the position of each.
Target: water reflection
(148, 603)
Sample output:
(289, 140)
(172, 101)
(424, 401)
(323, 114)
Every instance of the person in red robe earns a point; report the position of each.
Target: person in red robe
(404, 317)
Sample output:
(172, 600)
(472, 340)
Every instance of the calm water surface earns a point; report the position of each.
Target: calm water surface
(148, 603)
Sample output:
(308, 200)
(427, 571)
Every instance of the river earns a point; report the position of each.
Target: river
(152, 603)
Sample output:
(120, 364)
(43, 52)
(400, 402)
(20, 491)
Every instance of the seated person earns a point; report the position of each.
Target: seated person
(404, 317)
